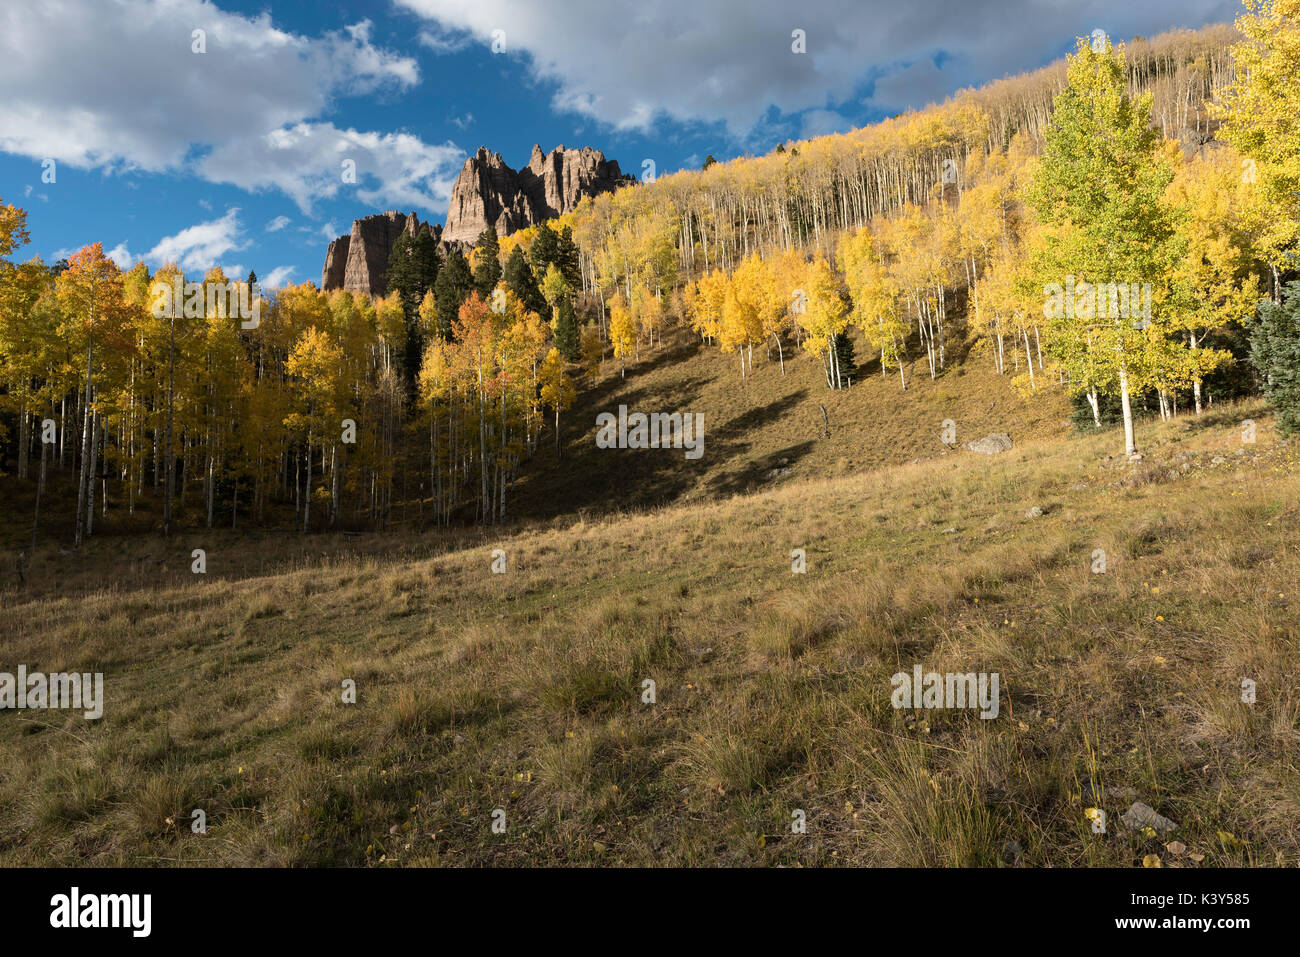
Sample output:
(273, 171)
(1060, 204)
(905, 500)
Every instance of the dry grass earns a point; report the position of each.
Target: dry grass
(770, 422)
(523, 691)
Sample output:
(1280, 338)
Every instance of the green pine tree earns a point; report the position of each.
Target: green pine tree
(401, 276)
(452, 287)
(1275, 353)
(546, 248)
(487, 268)
(566, 259)
(521, 281)
(424, 252)
(845, 356)
(567, 337)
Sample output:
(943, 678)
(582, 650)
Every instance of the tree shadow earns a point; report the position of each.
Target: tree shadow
(760, 472)
(603, 480)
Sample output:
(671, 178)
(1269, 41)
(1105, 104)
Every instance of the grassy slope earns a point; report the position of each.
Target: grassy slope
(521, 691)
(769, 421)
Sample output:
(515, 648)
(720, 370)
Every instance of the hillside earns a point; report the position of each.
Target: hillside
(521, 691)
(803, 192)
(769, 423)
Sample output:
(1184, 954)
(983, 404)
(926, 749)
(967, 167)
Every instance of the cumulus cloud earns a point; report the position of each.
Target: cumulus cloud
(121, 255)
(306, 161)
(118, 86)
(199, 247)
(629, 63)
(278, 278)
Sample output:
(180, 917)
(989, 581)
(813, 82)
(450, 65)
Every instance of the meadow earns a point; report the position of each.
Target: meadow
(523, 692)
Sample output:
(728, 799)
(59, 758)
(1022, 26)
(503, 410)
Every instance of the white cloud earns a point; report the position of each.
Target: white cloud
(119, 254)
(627, 62)
(444, 41)
(278, 277)
(277, 224)
(117, 86)
(199, 247)
(122, 256)
(305, 161)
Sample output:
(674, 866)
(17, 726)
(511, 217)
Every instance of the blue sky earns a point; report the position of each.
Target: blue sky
(233, 156)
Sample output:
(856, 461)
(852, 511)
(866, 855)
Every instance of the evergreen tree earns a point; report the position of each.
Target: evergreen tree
(452, 287)
(424, 252)
(404, 280)
(567, 338)
(844, 357)
(402, 277)
(546, 250)
(566, 258)
(487, 269)
(521, 281)
(1275, 352)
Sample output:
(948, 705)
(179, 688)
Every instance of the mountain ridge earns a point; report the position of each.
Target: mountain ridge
(487, 192)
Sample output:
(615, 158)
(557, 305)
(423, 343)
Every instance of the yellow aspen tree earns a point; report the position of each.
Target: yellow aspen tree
(622, 332)
(875, 297)
(90, 292)
(1258, 111)
(1099, 193)
(1213, 285)
(593, 351)
(558, 390)
(825, 319)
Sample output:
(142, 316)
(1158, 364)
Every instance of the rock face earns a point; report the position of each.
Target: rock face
(552, 184)
(359, 259)
(486, 191)
(336, 262)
